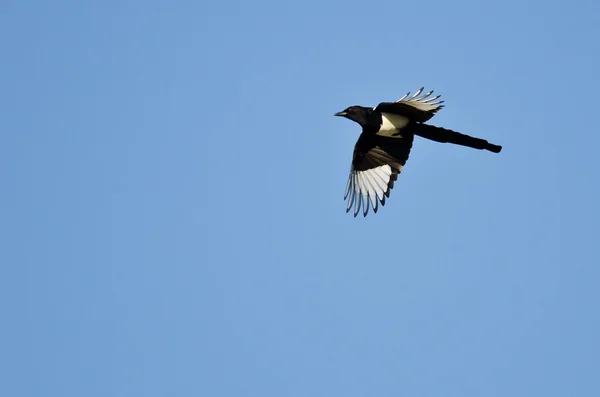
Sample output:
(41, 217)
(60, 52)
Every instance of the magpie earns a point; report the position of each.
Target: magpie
(384, 145)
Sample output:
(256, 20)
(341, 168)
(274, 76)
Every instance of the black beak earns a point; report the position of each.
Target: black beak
(342, 114)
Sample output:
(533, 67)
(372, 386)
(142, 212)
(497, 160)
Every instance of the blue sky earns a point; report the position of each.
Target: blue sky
(172, 212)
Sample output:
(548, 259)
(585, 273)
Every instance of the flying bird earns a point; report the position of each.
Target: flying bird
(384, 145)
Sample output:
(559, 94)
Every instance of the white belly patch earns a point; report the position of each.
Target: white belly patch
(391, 123)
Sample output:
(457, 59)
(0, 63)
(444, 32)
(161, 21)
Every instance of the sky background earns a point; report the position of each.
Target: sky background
(172, 216)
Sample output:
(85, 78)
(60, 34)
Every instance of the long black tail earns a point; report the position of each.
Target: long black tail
(443, 135)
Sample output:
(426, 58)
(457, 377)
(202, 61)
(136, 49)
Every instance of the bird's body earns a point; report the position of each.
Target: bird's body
(384, 145)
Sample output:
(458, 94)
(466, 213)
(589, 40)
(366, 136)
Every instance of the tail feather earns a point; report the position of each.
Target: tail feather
(444, 135)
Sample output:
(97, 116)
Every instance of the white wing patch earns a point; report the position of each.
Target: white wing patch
(365, 188)
(423, 102)
(391, 124)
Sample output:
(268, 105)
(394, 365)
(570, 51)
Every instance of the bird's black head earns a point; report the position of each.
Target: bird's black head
(359, 114)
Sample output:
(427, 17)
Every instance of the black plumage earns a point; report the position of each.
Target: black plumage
(384, 145)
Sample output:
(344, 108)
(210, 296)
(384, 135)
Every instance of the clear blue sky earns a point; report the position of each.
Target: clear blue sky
(172, 220)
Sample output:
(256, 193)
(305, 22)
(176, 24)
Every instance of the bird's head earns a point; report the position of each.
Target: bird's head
(359, 114)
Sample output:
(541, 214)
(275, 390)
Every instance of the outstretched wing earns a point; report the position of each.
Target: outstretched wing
(376, 163)
(416, 108)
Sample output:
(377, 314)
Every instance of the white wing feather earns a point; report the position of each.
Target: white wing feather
(367, 188)
(423, 102)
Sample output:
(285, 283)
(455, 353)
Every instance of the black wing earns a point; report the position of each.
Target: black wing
(376, 163)
(416, 108)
